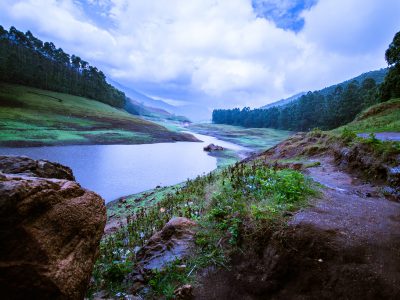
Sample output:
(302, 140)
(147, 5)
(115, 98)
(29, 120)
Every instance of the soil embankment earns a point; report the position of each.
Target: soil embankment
(346, 245)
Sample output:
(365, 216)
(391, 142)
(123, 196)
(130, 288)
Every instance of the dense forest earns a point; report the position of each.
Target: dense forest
(26, 60)
(309, 111)
(325, 109)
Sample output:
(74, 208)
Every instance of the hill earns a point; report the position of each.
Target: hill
(35, 117)
(326, 109)
(26, 60)
(283, 101)
(377, 75)
(383, 117)
(140, 98)
(136, 108)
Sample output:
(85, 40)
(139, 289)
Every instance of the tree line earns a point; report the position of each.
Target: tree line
(320, 109)
(26, 60)
(309, 111)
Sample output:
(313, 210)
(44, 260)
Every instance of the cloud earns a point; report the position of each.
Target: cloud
(221, 53)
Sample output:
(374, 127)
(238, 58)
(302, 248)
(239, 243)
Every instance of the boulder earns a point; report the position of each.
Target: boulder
(36, 168)
(174, 241)
(185, 292)
(213, 147)
(50, 231)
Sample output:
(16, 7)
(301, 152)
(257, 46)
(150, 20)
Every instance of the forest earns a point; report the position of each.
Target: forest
(325, 109)
(26, 60)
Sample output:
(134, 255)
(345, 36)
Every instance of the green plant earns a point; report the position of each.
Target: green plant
(164, 282)
(348, 136)
(223, 203)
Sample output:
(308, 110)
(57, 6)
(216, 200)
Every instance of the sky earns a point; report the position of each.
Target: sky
(216, 53)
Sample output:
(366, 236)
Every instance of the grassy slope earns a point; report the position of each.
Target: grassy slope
(218, 202)
(33, 117)
(253, 138)
(383, 117)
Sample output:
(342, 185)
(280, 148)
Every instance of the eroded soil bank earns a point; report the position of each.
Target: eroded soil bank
(346, 245)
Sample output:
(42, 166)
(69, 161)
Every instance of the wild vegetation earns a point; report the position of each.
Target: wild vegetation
(227, 205)
(391, 86)
(26, 60)
(383, 117)
(33, 117)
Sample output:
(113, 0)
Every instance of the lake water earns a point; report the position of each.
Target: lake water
(118, 170)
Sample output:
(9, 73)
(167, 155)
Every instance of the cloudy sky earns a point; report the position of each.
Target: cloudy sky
(220, 53)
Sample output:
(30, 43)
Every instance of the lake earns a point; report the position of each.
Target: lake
(114, 171)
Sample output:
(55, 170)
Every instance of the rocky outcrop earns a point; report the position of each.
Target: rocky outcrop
(37, 168)
(212, 147)
(50, 231)
(173, 242)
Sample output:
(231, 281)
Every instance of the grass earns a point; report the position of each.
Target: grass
(134, 203)
(227, 205)
(254, 138)
(34, 117)
(383, 117)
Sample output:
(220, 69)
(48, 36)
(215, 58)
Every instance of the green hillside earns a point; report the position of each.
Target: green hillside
(383, 117)
(35, 117)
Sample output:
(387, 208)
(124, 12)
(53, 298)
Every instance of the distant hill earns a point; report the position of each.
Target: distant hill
(378, 76)
(326, 109)
(137, 108)
(141, 98)
(195, 112)
(283, 101)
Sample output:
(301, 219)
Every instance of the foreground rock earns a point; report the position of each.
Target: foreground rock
(173, 242)
(50, 231)
(213, 147)
(37, 168)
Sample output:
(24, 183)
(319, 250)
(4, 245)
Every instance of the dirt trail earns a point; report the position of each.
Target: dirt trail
(384, 136)
(359, 217)
(345, 246)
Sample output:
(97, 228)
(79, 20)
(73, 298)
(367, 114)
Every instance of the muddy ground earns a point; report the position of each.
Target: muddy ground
(346, 245)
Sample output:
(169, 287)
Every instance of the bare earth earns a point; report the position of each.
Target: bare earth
(345, 246)
(359, 218)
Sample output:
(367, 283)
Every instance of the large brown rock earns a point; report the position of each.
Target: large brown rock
(173, 242)
(50, 231)
(37, 168)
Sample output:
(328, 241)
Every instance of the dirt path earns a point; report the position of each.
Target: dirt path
(345, 246)
(359, 217)
(384, 136)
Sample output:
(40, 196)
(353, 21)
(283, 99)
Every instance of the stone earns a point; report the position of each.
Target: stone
(184, 292)
(174, 241)
(37, 168)
(212, 147)
(50, 230)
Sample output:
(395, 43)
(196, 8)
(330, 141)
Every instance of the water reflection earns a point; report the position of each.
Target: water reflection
(118, 170)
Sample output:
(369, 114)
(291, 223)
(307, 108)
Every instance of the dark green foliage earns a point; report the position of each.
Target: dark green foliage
(311, 110)
(348, 136)
(26, 60)
(392, 54)
(391, 87)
